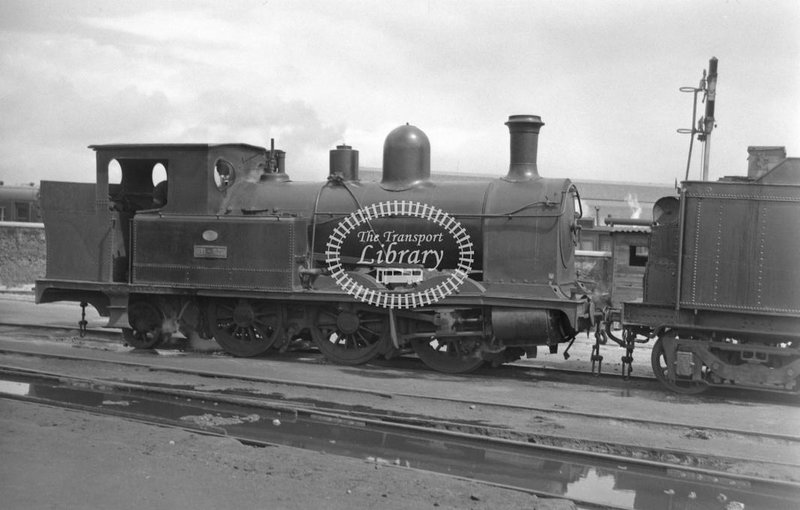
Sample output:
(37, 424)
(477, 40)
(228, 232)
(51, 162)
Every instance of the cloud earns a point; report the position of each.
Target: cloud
(236, 117)
(604, 76)
(69, 115)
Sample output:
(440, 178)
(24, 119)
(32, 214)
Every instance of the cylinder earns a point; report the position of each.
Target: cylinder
(524, 133)
(344, 162)
(521, 326)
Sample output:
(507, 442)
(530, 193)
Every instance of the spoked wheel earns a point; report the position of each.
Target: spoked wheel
(451, 355)
(660, 367)
(243, 327)
(143, 339)
(349, 336)
(145, 331)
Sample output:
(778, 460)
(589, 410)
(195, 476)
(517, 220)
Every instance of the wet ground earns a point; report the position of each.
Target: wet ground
(543, 470)
(68, 460)
(533, 392)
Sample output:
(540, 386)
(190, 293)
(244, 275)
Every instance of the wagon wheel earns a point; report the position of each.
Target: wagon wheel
(243, 327)
(145, 332)
(658, 361)
(451, 355)
(349, 336)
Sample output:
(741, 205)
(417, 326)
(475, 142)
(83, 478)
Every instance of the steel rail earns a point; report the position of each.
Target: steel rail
(211, 431)
(514, 364)
(385, 394)
(402, 427)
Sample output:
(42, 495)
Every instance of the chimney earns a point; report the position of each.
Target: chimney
(524, 131)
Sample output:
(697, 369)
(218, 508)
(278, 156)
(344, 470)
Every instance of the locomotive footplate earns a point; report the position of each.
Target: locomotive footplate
(736, 322)
(110, 299)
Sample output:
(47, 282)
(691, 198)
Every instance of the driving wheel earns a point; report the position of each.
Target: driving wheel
(349, 336)
(451, 355)
(244, 327)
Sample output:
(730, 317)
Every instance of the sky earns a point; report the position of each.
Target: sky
(604, 75)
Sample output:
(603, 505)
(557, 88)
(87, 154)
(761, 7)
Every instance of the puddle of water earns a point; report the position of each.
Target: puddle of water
(565, 475)
(15, 388)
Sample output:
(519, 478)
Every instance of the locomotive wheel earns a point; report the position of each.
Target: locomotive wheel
(243, 327)
(349, 336)
(143, 339)
(453, 355)
(145, 331)
(660, 367)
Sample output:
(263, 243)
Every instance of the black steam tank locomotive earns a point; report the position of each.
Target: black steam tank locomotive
(721, 286)
(463, 272)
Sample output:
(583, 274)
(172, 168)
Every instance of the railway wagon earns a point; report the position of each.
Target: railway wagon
(19, 203)
(721, 285)
(462, 273)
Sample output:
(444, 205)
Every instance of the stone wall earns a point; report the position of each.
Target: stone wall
(22, 254)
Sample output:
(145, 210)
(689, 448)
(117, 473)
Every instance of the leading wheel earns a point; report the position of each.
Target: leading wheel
(348, 335)
(660, 365)
(143, 339)
(451, 355)
(145, 332)
(243, 327)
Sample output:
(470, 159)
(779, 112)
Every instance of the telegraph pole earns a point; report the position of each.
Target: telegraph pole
(704, 126)
(708, 119)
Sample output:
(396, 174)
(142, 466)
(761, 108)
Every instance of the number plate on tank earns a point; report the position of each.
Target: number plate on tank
(202, 251)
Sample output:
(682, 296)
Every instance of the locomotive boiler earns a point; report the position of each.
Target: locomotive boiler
(461, 272)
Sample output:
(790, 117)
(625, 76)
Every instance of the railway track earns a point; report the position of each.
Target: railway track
(603, 419)
(360, 401)
(113, 336)
(540, 369)
(172, 366)
(431, 446)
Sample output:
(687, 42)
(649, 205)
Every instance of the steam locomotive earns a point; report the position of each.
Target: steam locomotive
(462, 273)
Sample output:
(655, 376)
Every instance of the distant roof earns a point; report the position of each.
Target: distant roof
(603, 190)
(625, 229)
(613, 198)
(19, 192)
